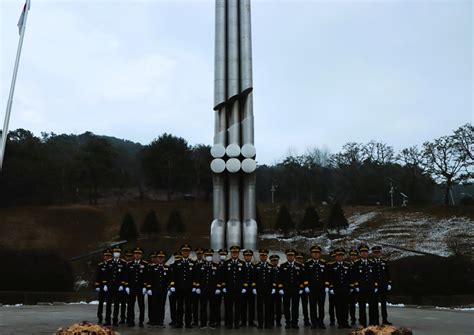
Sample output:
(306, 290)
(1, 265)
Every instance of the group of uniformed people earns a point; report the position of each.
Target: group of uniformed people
(261, 291)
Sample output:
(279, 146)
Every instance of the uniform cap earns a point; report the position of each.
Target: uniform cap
(290, 252)
(353, 252)
(315, 248)
(138, 250)
(248, 252)
(116, 249)
(234, 248)
(299, 255)
(363, 247)
(376, 248)
(160, 253)
(222, 251)
(107, 252)
(263, 251)
(129, 253)
(333, 253)
(199, 250)
(340, 251)
(185, 247)
(153, 254)
(274, 257)
(209, 252)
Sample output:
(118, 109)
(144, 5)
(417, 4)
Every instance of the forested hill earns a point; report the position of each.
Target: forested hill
(94, 169)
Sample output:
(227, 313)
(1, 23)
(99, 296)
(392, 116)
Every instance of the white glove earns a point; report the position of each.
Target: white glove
(351, 290)
(281, 292)
(106, 289)
(389, 287)
(193, 290)
(127, 290)
(120, 288)
(357, 289)
(97, 289)
(376, 290)
(218, 291)
(198, 291)
(224, 290)
(306, 289)
(172, 290)
(254, 291)
(144, 291)
(273, 291)
(326, 290)
(331, 291)
(149, 292)
(244, 291)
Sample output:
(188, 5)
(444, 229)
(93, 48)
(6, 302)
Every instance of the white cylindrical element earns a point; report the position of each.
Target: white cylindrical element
(249, 165)
(233, 57)
(233, 150)
(233, 165)
(245, 47)
(220, 55)
(234, 230)
(249, 211)
(248, 150)
(217, 232)
(218, 150)
(218, 165)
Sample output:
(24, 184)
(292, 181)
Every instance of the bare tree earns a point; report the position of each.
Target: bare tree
(316, 156)
(378, 152)
(444, 161)
(464, 140)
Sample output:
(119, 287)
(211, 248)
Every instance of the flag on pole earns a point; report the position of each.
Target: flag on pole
(21, 21)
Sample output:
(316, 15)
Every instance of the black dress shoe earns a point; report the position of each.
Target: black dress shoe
(307, 324)
(268, 327)
(115, 324)
(278, 324)
(332, 323)
(314, 326)
(252, 324)
(259, 327)
(131, 324)
(386, 322)
(295, 327)
(322, 326)
(140, 325)
(122, 322)
(107, 324)
(189, 326)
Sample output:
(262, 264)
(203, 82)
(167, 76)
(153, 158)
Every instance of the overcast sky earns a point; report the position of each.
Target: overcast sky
(325, 72)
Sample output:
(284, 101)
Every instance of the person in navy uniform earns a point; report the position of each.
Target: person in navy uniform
(365, 285)
(332, 302)
(291, 287)
(128, 257)
(136, 287)
(151, 264)
(265, 289)
(340, 285)
(233, 288)
(354, 256)
(101, 283)
(196, 299)
(157, 288)
(248, 298)
(304, 296)
(277, 298)
(116, 278)
(208, 283)
(316, 286)
(220, 266)
(172, 290)
(383, 280)
(184, 285)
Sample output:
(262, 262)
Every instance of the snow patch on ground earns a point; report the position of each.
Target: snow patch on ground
(415, 231)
